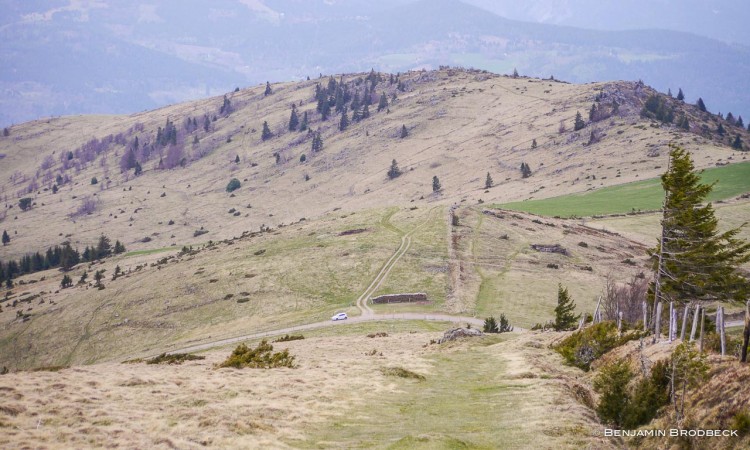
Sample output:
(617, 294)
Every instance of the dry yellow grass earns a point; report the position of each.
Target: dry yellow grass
(304, 273)
(338, 397)
(462, 125)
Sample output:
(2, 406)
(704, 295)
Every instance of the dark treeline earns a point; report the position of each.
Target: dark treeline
(63, 256)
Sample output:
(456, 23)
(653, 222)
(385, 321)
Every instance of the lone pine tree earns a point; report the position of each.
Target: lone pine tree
(578, 123)
(525, 170)
(564, 317)
(693, 260)
(6, 237)
(436, 187)
(488, 181)
(394, 171)
(266, 133)
(701, 106)
(293, 119)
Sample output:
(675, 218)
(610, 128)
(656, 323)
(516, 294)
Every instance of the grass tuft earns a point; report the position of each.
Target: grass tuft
(402, 373)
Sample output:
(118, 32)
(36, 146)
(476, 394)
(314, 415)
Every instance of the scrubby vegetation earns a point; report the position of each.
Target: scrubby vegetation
(402, 373)
(584, 347)
(174, 358)
(260, 357)
(491, 325)
(630, 404)
(288, 337)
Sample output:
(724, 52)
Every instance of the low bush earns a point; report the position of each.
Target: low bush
(233, 185)
(174, 358)
(287, 338)
(378, 334)
(260, 357)
(583, 347)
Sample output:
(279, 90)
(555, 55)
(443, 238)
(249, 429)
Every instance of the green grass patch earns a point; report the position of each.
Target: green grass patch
(644, 195)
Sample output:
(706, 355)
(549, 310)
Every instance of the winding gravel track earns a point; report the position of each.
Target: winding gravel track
(367, 314)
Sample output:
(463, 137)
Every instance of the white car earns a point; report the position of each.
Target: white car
(339, 316)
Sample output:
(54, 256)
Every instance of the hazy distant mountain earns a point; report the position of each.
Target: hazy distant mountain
(117, 56)
(725, 20)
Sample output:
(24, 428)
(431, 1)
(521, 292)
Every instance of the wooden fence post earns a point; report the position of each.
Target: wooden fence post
(703, 320)
(723, 336)
(746, 334)
(596, 317)
(684, 322)
(645, 316)
(657, 323)
(696, 314)
(672, 322)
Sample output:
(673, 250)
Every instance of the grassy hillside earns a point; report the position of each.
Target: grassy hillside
(644, 195)
(461, 125)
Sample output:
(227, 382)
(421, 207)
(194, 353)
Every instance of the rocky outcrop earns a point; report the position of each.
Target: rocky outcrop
(452, 335)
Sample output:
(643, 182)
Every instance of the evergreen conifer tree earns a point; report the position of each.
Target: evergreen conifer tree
(293, 119)
(383, 103)
(525, 170)
(579, 123)
(104, 247)
(394, 171)
(303, 126)
(740, 123)
(720, 130)
(266, 133)
(98, 275)
(365, 113)
(66, 282)
(737, 143)
(680, 95)
(565, 319)
(697, 261)
(436, 187)
(317, 142)
(488, 181)
(6, 237)
(268, 90)
(701, 106)
(325, 111)
(404, 131)
(344, 122)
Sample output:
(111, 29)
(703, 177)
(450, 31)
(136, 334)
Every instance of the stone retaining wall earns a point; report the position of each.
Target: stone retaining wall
(399, 298)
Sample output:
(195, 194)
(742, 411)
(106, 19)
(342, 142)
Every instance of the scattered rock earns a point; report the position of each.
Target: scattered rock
(452, 335)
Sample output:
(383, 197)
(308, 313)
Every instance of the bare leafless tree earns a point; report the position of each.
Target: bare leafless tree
(625, 297)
